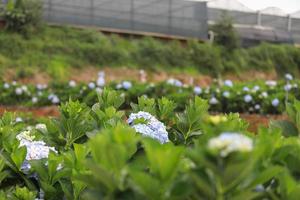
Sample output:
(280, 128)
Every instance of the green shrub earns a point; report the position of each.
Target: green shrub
(23, 16)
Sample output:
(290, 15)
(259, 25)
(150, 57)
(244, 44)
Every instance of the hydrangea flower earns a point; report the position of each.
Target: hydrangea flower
(275, 102)
(41, 127)
(213, 101)
(92, 85)
(248, 98)
(19, 119)
(34, 100)
(257, 107)
(264, 94)
(6, 85)
(197, 90)
(175, 82)
(98, 90)
(72, 83)
(271, 83)
(246, 89)
(36, 150)
(288, 87)
(256, 88)
(228, 142)
(288, 77)
(18, 91)
(226, 94)
(228, 83)
(101, 81)
(148, 126)
(126, 85)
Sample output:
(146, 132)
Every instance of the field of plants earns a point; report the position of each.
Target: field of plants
(170, 139)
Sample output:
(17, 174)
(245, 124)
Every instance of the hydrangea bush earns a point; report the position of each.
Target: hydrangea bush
(150, 151)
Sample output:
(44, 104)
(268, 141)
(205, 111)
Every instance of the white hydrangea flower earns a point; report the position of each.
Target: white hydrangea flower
(14, 83)
(19, 119)
(197, 90)
(101, 81)
(126, 85)
(36, 150)
(98, 90)
(246, 89)
(288, 87)
(226, 94)
(228, 142)
(175, 82)
(55, 99)
(92, 85)
(271, 83)
(6, 86)
(101, 74)
(34, 100)
(213, 101)
(228, 83)
(72, 83)
(275, 102)
(41, 127)
(248, 98)
(257, 107)
(256, 88)
(24, 88)
(264, 94)
(288, 77)
(18, 91)
(151, 128)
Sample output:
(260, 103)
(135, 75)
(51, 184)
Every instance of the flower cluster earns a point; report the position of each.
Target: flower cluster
(148, 126)
(227, 143)
(36, 150)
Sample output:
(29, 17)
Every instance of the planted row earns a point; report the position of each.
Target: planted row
(148, 152)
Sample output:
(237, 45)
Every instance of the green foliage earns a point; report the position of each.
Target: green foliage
(23, 16)
(57, 50)
(225, 34)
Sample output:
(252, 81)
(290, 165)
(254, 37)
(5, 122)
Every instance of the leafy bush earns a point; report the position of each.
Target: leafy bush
(23, 15)
(92, 159)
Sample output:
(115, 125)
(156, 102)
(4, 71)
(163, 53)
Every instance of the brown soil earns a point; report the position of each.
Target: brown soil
(254, 120)
(124, 73)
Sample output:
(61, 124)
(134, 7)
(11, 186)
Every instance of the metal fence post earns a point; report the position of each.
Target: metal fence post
(170, 16)
(92, 12)
(289, 28)
(258, 18)
(49, 9)
(132, 14)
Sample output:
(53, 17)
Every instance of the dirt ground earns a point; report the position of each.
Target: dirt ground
(124, 73)
(254, 120)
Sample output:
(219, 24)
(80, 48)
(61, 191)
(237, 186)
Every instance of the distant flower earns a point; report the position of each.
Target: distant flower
(92, 85)
(101, 74)
(257, 107)
(149, 126)
(264, 94)
(41, 127)
(213, 101)
(98, 90)
(228, 83)
(175, 82)
(227, 143)
(34, 100)
(14, 83)
(72, 83)
(197, 90)
(126, 85)
(248, 98)
(19, 119)
(271, 83)
(275, 102)
(226, 94)
(6, 85)
(256, 88)
(18, 91)
(246, 89)
(288, 77)
(55, 99)
(101, 81)
(288, 87)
